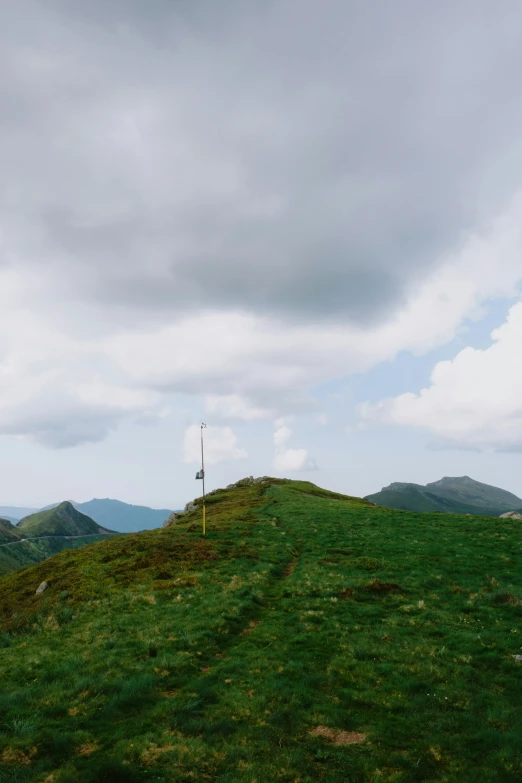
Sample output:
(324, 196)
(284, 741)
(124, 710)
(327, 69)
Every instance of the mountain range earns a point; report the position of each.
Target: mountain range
(454, 495)
(113, 514)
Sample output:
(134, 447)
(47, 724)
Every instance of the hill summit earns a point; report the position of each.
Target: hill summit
(63, 520)
(454, 495)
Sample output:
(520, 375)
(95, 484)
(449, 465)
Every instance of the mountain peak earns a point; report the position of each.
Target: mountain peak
(62, 520)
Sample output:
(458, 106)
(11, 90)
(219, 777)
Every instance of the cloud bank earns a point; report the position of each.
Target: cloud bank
(175, 219)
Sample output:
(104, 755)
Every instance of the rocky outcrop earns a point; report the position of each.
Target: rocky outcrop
(248, 481)
(511, 515)
(173, 518)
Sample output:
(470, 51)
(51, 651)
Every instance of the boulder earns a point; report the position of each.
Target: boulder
(43, 587)
(511, 515)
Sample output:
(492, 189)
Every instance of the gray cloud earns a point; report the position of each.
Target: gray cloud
(289, 158)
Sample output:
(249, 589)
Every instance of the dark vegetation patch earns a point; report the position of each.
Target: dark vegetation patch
(377, 586)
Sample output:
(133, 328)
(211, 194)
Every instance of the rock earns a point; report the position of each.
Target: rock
(245, 482)
(511, 515)
(191, 506)
(43, 587)
(172, 519)
(518, 658)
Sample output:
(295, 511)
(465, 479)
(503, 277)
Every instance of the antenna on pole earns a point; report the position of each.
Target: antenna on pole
(201, 475)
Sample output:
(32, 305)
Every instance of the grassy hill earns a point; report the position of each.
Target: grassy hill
(461, 495)
(63, 520)
(309, 637)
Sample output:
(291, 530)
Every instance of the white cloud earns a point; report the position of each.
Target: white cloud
(221, 445)
(473, 401)
(282, 435)
(293, 460)
(288, 459)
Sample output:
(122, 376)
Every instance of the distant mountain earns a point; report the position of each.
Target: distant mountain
(16, 512)
(63, 520)
(453, 495)
(8, 532)
(123, 517)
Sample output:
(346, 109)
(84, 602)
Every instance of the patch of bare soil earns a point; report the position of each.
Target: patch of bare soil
(289, 568)
(339, 737)
(252, 624)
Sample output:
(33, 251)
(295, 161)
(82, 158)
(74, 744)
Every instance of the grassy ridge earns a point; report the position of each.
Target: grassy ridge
(162, 656)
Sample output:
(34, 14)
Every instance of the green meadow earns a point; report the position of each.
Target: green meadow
(309, 637)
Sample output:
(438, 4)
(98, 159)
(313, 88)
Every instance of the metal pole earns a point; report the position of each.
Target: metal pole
(203, 472)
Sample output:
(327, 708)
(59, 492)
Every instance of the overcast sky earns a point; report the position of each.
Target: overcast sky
(300, 222)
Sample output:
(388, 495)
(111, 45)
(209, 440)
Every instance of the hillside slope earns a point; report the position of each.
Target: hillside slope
(8, 532)
(28, 552)
(460, 495)
(63, 520)
(309, 637)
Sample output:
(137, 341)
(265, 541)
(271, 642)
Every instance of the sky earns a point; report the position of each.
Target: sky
(297, 222)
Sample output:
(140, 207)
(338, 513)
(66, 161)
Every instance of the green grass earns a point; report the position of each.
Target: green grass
(35, 550)
(166, 657)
